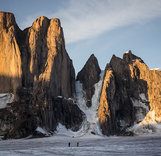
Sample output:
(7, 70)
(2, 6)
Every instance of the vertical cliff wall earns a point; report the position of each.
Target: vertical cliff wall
(10, 55)
(36, 68)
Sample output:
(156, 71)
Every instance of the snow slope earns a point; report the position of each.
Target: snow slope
(91, 123)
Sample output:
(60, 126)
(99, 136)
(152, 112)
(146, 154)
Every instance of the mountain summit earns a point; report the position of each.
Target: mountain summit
(88, 76)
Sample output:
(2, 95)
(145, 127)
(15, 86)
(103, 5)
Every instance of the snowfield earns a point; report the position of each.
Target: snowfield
(94, 146)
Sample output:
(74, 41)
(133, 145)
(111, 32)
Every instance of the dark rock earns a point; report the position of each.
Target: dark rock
(128, 57)
(68, 113)
(40, 133)
(127, 95)
(37, 134)
(93, 133)
(88, 76)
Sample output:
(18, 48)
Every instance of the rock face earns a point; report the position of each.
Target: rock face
(130, 92)
(88, 76)
(36, 68)
(10, 56)
(68, 113)
(48, 63)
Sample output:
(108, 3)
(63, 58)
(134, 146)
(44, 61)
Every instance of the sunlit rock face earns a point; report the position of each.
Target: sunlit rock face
(48, 63)
(88, 76)
(130, 92)
(36, 68)
(10, 55)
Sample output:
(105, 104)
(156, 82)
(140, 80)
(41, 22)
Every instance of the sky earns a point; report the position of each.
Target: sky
(99, 27)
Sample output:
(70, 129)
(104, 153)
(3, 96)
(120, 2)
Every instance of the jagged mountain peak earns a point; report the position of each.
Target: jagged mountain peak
(129, 57)
(7, 20)
(91, 62)
(40, 22)
(88, 76)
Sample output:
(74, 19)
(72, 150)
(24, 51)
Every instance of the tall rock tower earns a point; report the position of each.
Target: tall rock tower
(36, 68)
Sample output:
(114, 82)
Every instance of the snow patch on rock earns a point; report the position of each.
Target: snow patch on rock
(43, 131)
(143, 97)
(61, 130)
(5, 98)
(141, 107)
(148, 124)
(127, 52)
(146, 129)
(156, 69)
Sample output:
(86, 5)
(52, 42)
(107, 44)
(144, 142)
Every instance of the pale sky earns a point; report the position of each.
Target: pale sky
(102, 27)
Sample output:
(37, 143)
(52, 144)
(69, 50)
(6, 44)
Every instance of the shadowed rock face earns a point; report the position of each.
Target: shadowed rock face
(130, 91)
(36, 68)
(88, 76)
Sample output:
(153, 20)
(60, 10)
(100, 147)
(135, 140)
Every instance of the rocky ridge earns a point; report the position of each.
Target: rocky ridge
(130, 92)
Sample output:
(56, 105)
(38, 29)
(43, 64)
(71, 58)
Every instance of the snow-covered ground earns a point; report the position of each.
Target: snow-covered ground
(94, 146)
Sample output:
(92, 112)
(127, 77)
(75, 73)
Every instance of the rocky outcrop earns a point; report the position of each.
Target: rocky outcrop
(36, 68)
(88, 76)
(130, 91)
(68, 113)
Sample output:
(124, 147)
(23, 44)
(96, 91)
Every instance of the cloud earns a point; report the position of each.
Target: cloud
(84, 19)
